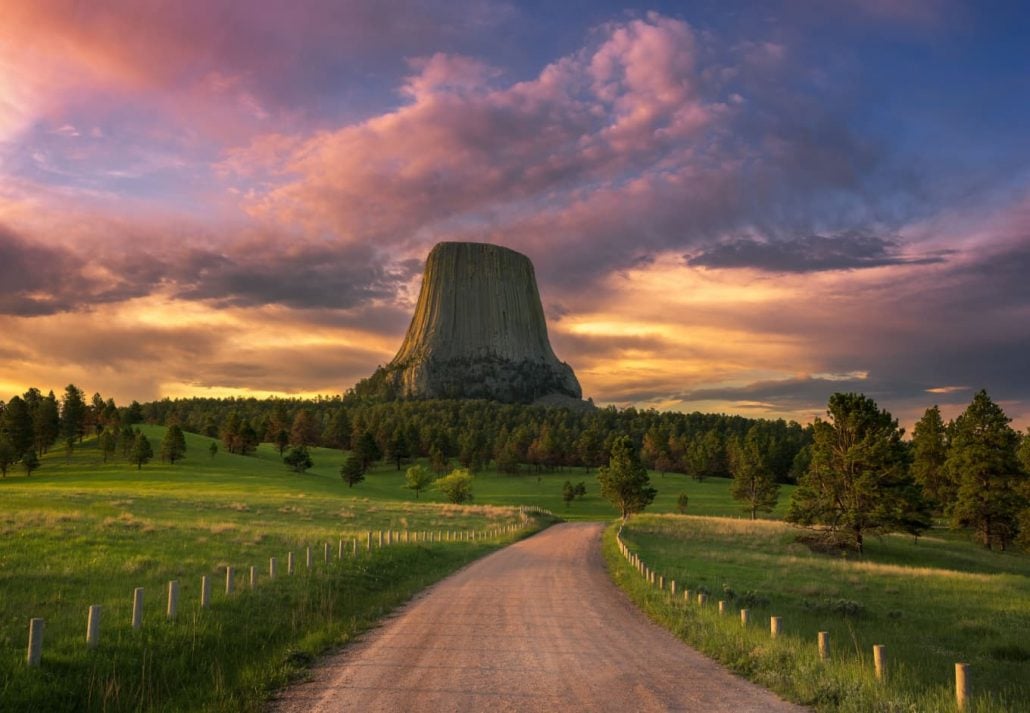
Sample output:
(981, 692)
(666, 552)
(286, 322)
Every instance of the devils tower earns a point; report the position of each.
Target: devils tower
(478, 333)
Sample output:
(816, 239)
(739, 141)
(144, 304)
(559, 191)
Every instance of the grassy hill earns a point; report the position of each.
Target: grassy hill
(79, 532)
(932, 603)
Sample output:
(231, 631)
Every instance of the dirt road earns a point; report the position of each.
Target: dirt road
(537, 626)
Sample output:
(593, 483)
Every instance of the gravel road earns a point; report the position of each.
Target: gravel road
(537, 626)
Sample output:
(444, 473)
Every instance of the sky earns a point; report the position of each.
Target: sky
(735, 207)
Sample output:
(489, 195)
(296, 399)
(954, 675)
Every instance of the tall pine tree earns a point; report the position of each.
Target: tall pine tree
(983, 463)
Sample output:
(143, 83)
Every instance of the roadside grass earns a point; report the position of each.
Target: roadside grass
(932, 604)
(79, 533)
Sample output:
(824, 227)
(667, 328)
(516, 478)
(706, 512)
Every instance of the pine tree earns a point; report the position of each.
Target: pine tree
(304, 431)
(46, 423)
(930, 451)
(367, 450)
(753, 481)
(142, 451)
(858, 482)
(73, 415)
(17, 424)
(8, 456)
(173, 445)
(298, 458)
(352, 472)
(982, 461)
(30, 462)
(624, 481)
(108, 442)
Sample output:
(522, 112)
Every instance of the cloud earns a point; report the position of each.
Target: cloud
(812, 253)
(37, 279)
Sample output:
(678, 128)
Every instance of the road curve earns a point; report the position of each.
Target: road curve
(537, 626)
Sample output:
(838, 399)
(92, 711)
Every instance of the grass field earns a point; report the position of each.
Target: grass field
(79, 533)
(933, 603)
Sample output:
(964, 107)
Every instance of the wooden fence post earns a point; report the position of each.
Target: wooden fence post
(230, 579)
(35, 652)
(289, 563)
(722, 606)
(307, 558)
(137, 607)
(253, 577)
(824, 645)
(961, 685)
(173, 600)
(880, 661)
(93, 627)
(273, 567)
(745, 616)
(205, 592)
(326, 553)
(775, 623)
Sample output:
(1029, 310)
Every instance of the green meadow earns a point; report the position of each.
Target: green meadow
(79, 532)
(931, 602)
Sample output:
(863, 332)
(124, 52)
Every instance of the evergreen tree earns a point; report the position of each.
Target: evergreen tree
(128, 440)
(857, 483)
(351, 471)
(398, 447)
(173, 445)
(304, 431)
(338, 431)
(142, 451)
(213, 449)
(624, 481)
(8, 456)
(108, 443)
(298, 458)
(73, 415)
(982, 461)
(30, 462)
(568, 493)
(682, 500)
(17, 424)
(281, 439)
(753, 482)
(929, 453)
(367, 450)
(418, 478)
(46, 423)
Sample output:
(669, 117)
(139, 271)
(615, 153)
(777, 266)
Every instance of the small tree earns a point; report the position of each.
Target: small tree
(173, 445)
(580, 489)
(108, 442)
(624, 481)
(213, 449)
(30, 461)
(753, 481)
(437, 460)
(298, 459)
(367, 450)
(418, 478)
(7, 455)
(282, 441)
(352, 472)
(456, 486)
(682, 500)
(141, 451)
(568, 493)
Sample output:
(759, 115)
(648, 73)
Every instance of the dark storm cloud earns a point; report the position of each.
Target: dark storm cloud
(814, 253)
(38, 279)
(309, 276)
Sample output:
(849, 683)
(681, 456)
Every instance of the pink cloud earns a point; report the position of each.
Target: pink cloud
(462, 147)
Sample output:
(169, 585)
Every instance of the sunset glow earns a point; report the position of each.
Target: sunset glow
(742, 207)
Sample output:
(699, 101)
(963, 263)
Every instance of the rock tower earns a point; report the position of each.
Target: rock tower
(478, 332)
